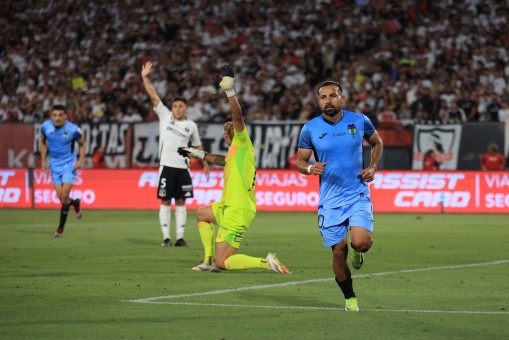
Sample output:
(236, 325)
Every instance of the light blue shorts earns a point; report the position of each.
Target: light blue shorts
(335, 223)
(63, 174)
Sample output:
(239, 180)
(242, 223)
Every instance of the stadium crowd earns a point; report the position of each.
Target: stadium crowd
(399, 62)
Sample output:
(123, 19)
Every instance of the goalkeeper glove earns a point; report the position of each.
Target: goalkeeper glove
(192, 152)
(227, 80)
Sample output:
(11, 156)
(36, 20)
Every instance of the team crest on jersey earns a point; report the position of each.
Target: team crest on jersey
(66, 135)
(352, 130)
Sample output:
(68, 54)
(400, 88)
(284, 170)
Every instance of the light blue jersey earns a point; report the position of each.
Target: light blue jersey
(340, 146)
(61, 141)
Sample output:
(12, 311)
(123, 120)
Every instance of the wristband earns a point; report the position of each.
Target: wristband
(229, 93)
(309, 168)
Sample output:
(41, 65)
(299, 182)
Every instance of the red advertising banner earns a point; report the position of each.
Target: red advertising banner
(280, 190)
(447, 191)
(276, 190)
(15, 191)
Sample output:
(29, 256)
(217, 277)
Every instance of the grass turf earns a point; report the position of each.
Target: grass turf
(420, 280)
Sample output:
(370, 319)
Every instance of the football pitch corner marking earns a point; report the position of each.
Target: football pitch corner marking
(155, 299)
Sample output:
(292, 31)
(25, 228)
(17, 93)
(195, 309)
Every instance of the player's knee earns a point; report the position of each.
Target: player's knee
(201, 215)
(362, 245)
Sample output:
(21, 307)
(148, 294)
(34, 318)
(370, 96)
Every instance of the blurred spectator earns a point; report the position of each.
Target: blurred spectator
(13, 113)
(456, 115)
(492, 160)
(132, 115)
(493, 108)
(503, 113)
(466, 103)
(430, 162)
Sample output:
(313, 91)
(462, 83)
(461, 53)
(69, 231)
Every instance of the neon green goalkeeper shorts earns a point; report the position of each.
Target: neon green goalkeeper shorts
(232, 223)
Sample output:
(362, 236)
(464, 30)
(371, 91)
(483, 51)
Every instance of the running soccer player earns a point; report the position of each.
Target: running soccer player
(237, 209)
(335, 138)
(175, 131)
(57, 140)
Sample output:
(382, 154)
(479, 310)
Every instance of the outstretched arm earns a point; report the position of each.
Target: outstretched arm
(151, 91)
(227, 81)
(202, 155)
(219, 160)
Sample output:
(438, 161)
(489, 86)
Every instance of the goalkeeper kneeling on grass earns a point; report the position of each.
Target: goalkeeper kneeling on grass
(237, 209)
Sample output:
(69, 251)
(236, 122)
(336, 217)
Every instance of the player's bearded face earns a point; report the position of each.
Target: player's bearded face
(330, 100)
(331, 110)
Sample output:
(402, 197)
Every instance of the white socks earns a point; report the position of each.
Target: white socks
(164, 220)
(180, 220)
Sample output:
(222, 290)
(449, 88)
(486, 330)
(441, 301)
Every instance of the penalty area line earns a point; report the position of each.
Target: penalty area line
(294, 283)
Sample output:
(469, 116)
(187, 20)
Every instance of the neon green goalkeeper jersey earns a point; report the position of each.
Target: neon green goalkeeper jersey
(240, 173)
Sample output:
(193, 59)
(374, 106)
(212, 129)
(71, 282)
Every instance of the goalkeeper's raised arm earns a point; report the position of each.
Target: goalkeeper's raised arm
(227, 80)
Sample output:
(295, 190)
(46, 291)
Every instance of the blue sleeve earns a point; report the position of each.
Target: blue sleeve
(43, 130)
(77, 134)
(369, 128)
(305, 138)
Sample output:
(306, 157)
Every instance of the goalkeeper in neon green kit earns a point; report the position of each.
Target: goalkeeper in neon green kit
(237, 209)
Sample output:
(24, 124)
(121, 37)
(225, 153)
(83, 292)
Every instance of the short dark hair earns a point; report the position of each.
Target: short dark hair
(179, 99)
(330, 82)
(228, 118)
(58, 107)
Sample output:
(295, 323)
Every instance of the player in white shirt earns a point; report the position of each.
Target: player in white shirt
(175, 131)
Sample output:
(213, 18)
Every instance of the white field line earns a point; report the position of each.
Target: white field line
(293, 283)
(335, 309)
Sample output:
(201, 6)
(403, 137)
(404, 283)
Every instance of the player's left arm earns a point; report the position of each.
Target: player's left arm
(377, 146)
(227, 80)
(81, 156)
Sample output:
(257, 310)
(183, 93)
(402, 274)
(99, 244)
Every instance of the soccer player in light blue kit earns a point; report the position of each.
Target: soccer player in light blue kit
(58, 137)
(335, 140)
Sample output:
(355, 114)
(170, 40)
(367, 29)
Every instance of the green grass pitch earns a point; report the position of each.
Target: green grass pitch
(427, 276)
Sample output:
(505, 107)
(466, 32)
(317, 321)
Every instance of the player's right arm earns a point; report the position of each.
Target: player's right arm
(304, 154)
(303, 163)
(44, 153)
(151, 91)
